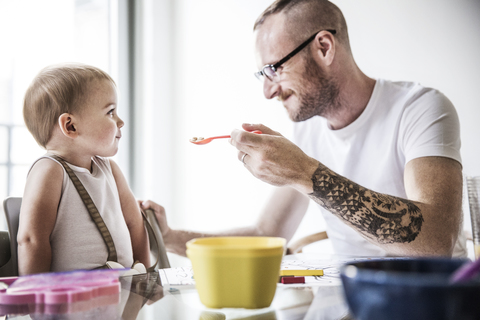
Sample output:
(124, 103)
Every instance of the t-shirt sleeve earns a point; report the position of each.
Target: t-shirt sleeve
(430, 127)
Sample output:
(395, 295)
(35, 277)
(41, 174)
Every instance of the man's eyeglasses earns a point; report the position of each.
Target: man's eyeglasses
(270, 70)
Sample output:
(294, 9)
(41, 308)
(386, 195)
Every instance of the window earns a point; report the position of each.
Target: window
(36, 34)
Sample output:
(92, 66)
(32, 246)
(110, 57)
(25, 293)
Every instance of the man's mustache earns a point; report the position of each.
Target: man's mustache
(284, 95)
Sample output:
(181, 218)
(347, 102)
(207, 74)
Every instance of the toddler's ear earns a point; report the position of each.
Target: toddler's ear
(67, 126)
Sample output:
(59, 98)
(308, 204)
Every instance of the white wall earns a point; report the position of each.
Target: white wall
(434, 42)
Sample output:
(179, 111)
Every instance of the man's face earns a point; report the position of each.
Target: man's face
(303, 87)
(316, 93)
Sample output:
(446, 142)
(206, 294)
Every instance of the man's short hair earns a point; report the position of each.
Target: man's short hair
(57, 89)
(304, 17)
(276, 7)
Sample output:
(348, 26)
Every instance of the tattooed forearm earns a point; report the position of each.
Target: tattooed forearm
(385, 218)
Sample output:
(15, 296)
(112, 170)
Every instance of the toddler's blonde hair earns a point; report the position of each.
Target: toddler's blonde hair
(57, 89)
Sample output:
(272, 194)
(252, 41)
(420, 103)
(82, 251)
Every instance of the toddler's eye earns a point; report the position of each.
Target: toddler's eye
(111, 112)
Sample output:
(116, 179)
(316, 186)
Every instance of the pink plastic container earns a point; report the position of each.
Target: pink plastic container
(60, 288)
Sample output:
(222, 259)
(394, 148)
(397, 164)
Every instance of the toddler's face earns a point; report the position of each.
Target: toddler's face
(99, 124)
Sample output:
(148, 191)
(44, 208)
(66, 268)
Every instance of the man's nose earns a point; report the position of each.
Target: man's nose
(270, 89)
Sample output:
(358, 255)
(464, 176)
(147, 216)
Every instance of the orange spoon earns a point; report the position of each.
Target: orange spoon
(201, 140)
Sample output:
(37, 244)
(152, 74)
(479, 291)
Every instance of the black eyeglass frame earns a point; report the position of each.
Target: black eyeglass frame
(275, 66)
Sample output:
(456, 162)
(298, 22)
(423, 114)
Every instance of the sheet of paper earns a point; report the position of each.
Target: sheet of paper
(183, 276)
(179, 276)
(330, 267)
(331, 273)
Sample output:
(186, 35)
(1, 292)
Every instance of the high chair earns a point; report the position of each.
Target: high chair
(8, 240)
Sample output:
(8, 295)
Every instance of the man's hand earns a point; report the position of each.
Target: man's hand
(175, 240)
(274, 159)
(159, 214)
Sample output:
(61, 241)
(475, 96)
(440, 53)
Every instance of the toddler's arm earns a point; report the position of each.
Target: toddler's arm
(37, 217)
(133, 217)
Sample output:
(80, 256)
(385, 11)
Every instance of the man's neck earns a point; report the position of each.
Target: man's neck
(355, 93)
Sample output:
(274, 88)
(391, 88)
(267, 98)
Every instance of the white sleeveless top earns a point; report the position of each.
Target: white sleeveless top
(75, 240)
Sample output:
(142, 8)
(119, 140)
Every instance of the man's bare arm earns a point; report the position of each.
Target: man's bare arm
(280, 218)
(427, 223)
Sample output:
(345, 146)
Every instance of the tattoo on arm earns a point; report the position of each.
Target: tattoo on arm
(384, 218)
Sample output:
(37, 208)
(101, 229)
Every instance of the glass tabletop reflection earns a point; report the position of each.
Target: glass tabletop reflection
(144, 297)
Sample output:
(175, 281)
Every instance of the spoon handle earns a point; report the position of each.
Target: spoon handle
(220, 137)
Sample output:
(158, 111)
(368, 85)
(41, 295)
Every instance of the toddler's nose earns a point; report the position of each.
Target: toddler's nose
(120, 123)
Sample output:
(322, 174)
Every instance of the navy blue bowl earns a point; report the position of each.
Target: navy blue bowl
(408, 289)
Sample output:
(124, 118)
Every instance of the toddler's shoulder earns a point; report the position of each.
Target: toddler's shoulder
(46, 165)
(45, 172)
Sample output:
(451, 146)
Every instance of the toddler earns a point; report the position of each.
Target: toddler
(71, 111)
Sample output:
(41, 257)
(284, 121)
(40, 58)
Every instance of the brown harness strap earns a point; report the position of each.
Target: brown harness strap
(92, 209)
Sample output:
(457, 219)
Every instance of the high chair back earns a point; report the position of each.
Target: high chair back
(11, 206)
(473, 191)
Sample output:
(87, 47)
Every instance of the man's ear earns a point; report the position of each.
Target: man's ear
(67, 125)
(325, 46)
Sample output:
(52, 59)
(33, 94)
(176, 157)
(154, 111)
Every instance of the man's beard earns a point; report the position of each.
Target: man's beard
(318, 95)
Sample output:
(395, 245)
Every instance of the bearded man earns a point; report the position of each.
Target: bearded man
(380, 158)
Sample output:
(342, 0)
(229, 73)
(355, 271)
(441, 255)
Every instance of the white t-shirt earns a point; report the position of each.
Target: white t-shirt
(402, 121)
(75, 240)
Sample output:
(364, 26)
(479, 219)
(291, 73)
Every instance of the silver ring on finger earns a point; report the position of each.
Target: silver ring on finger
(243, 159)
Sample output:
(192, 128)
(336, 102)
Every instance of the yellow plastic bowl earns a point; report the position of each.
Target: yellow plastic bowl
(236, 272)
